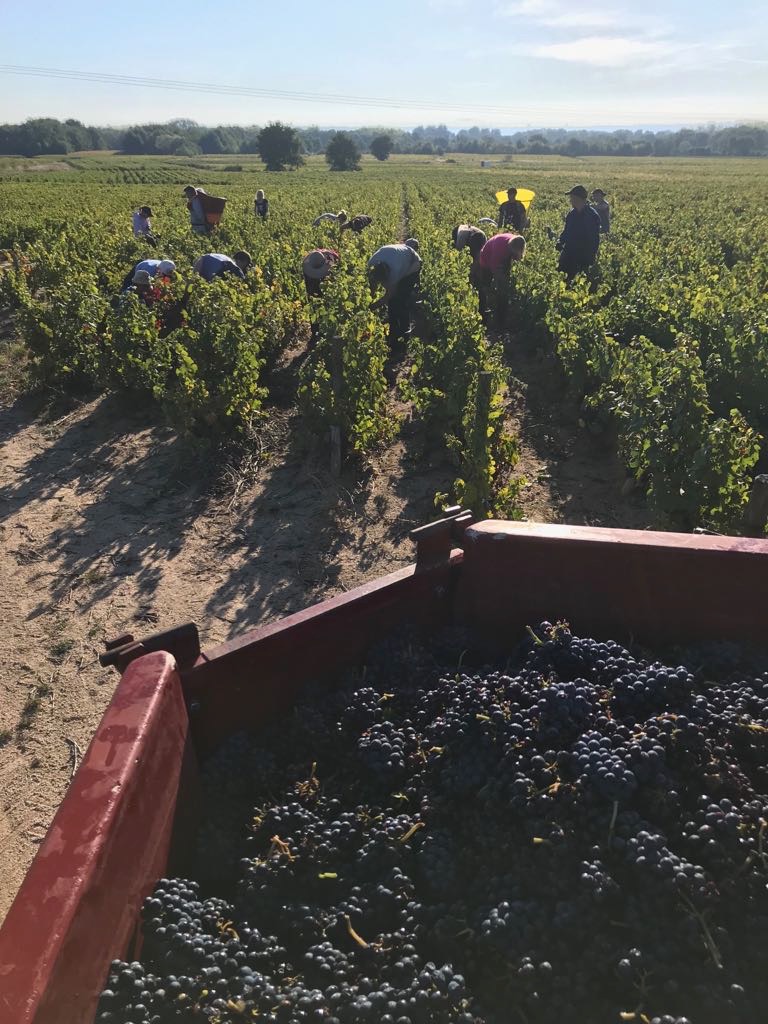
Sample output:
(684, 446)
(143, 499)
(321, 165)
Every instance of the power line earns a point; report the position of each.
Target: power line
(244, 90)
(520, 113)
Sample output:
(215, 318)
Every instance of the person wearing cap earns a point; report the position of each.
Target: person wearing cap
(261, 205)
(491, 268)
(216, 264)
(142, 225)
(599, 203)
(580, 239)
(396, 269)
(197, 219)
(154, 268)
(512, 213)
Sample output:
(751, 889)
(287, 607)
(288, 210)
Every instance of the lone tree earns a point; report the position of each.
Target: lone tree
(342, 153)
(279, 146)
(382, 147)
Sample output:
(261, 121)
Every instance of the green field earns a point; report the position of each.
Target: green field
(665, 345)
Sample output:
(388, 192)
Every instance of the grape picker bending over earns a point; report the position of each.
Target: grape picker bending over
(154, 268)
(317, 267)
(216, 264)
(467, 236)
(491, 268)
(356, 224)
(580, 239)
(142, 287)
(396, 269)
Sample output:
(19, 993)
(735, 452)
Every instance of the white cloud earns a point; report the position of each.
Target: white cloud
(604, 51)
(558, 14)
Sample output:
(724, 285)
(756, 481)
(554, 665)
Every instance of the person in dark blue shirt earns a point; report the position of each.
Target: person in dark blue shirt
(580, 238)
(214, 264)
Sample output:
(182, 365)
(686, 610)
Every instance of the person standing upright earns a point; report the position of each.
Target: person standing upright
(580, 239)
(261, 205)
(512, 214)
(197, 219)
(603, 210)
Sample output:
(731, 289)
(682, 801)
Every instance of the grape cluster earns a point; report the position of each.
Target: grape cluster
(577, 832)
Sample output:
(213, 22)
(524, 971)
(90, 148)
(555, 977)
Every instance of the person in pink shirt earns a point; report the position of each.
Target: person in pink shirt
(491, 268)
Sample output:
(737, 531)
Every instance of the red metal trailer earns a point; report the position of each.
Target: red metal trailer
(127, 811)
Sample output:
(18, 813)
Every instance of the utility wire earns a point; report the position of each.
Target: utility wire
(519, 112)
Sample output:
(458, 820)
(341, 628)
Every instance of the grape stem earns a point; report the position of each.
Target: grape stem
(412, 831)
(708, 940)
(353, 934)
(537, 641)
(614, 816)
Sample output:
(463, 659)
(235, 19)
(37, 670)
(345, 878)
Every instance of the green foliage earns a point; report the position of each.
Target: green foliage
(458, 379)
(382, 146)
(343, 383)
(695, 465)
(667, 340)
(279, 147)
(342, 153)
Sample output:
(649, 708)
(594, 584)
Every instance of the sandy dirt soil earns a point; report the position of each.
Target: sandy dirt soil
(108, 524)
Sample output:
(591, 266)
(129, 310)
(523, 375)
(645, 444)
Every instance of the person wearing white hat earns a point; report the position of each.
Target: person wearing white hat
(396, 269)
(316, 268)
(317, 265)
(141, 286)
(467, 236)
(155, 268)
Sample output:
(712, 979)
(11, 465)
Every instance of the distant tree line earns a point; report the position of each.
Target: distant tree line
(183, 137)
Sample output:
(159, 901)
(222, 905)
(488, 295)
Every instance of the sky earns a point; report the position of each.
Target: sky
(509, 64)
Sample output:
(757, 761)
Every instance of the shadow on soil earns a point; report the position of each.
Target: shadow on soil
(587, 481)
(131, 485)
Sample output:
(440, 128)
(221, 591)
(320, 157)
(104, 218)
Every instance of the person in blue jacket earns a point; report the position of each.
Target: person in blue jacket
(215, 264)
(580, 239)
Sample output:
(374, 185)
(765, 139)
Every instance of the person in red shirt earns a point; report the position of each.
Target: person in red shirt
(491, 268)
